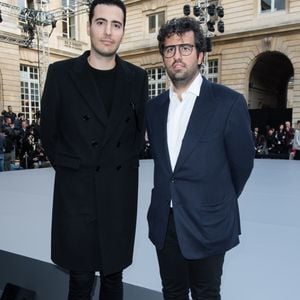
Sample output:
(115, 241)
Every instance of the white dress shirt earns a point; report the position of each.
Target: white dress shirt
(178, 117)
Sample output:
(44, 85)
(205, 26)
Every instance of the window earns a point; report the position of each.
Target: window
(272, 5)
(30, 4)
(26, 4)
(30, 91)
(68, 20)
(212, 72)
(155, 21)
(157, 81)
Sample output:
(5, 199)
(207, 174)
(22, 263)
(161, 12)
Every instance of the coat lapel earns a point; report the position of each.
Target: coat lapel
(87, 88)
(202, 112)
(123, 101)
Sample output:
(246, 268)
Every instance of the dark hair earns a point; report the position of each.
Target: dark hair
(179, 26)
(118, 3)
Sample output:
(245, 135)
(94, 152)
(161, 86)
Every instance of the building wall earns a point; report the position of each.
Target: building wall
(248, 33)
(50, 49)
(10, 76)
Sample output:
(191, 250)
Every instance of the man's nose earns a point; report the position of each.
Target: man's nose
(177, 54)
(108, 29)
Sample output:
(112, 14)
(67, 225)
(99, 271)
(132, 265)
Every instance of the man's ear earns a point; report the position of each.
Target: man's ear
(200, 58)
(88, 28)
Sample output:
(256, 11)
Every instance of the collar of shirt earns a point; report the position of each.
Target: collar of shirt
(178, 117)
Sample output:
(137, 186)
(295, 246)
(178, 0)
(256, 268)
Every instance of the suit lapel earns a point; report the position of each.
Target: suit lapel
(202, 112)
(160, 123)
(86, 86)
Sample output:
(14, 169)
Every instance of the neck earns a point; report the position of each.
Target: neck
(101, 62)
(179, 91)
(180, 86)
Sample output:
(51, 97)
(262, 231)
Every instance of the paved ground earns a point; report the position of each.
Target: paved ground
(265, 266)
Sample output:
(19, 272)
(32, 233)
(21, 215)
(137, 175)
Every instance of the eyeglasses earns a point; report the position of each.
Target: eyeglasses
(184, 50)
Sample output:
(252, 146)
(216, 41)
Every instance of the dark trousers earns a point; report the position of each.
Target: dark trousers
(81, 286)
(180, 276)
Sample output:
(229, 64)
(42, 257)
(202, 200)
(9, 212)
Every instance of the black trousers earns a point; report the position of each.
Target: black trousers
(81, 286)
(180, 276)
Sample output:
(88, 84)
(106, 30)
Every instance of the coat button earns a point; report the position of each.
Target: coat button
(95, 144)
(172, 180)
(118, 145)
(118, 167)
(86, 117)
(98, 168)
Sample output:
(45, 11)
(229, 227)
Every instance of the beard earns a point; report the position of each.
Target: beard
(183, 78)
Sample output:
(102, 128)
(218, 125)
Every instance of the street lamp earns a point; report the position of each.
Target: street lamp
(221, 26)
(210, 15)
(186, 10)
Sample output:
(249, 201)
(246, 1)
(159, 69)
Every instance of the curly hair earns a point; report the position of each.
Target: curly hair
(179, 26)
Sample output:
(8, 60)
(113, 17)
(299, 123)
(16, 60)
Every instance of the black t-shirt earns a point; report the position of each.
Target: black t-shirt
(105, 82)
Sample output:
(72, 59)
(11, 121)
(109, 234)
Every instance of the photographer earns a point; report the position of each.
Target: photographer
(38, 158)
(28, 146)
(9, 127)
(8, 148)
(1, 150)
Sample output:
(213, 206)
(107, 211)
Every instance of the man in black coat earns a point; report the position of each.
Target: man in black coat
(10, 114)
(92, 130)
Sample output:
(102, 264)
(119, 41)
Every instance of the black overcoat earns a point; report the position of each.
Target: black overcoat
(96, 164)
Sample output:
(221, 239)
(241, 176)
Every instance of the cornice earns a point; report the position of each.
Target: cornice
(139, 52)
(252, 33)
(230, 37)
(64, 53)
(131, 2)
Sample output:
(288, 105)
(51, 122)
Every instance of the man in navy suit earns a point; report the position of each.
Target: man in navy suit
(203, 153)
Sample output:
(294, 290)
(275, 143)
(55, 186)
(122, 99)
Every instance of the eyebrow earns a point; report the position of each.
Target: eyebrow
(113, 21)
(183, 44)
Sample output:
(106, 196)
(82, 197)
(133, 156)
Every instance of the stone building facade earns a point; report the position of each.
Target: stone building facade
(257, 55)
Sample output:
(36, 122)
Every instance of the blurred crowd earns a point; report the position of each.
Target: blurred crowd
(20, 145)
(276, 143)
(21, 148)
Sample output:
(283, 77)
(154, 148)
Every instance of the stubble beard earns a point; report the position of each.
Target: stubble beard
(182, 79)
(107, 54)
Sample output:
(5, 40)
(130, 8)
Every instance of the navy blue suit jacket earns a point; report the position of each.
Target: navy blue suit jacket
(214, 163)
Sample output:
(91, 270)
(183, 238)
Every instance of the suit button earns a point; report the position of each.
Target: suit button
(98, 168)
(118, 167)
(118, 145)
(172, 180)
(86, 117)
(95, 144)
